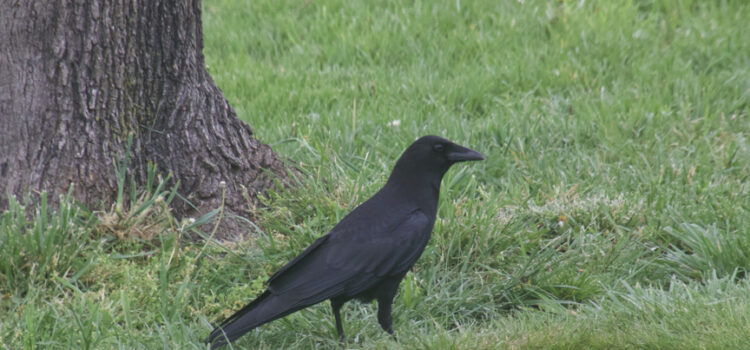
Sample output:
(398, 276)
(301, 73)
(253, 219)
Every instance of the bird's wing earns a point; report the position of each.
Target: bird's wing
(341, 263)
(387, 253)
(297, 259)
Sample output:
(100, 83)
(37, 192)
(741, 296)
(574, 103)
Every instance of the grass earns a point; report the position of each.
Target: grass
(612, 212)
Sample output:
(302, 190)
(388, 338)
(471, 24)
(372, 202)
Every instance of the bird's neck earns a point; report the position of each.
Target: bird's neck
(422, 190)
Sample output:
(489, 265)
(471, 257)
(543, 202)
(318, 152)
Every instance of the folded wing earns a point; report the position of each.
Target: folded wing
(347, 263)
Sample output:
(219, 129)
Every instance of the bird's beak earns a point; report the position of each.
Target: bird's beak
(462, 154)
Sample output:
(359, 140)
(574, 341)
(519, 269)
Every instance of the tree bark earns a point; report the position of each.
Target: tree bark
(78, 77)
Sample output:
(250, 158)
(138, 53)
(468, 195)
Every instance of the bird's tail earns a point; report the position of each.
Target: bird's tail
(263, 309)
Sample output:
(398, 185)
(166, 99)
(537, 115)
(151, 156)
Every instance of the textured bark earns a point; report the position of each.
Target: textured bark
(77, 77)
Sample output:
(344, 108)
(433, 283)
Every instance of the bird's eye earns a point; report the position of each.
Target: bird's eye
(439, 148)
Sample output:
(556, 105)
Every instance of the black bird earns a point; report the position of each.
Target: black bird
(366, 255)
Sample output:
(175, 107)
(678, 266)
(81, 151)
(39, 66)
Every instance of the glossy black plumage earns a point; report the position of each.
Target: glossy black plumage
(364, 256)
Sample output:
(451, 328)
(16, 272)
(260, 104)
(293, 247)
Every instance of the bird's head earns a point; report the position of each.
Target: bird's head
(431, 156)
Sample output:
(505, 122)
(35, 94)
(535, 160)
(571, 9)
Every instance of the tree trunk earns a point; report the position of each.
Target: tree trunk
(78, 77)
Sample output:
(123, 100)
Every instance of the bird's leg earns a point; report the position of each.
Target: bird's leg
(384, 315)
(336, 307)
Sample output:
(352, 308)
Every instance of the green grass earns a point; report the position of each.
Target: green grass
(612, 212)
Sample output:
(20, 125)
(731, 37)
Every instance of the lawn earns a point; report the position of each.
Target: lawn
(612, 211)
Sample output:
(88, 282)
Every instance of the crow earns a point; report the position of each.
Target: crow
(364, 256)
